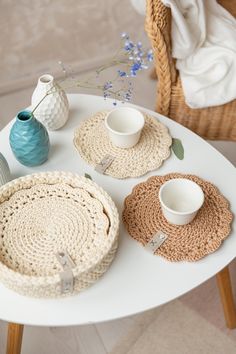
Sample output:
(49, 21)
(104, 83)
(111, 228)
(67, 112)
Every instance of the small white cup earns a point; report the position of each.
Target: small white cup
(180, 200)
(124, 126)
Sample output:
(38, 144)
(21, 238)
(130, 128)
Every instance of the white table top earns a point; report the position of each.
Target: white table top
(136, 280)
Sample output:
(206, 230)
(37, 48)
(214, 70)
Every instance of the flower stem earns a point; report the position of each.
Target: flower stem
(110, 64)
(47, 93)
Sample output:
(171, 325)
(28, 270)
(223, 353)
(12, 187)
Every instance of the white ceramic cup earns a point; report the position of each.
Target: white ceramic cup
(180, 200)
(124, 125)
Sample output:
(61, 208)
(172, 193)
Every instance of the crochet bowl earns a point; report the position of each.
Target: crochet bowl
(47, 215)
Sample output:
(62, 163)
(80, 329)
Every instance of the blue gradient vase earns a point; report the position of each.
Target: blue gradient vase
(29, 140)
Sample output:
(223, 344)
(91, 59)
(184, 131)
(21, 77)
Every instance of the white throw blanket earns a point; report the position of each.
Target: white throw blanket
(204, 43)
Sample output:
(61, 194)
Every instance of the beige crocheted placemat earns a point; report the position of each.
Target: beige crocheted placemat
(92, 141)
(143, 217)
(45, 214)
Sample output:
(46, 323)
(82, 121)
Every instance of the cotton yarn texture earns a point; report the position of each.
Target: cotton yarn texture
(46, 213)
(92, 141)
(143, 217)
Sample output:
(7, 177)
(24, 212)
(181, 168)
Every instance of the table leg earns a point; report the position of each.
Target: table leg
(226, 294)
(14, 338)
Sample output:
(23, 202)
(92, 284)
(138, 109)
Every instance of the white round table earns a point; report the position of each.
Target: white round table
(136, 281)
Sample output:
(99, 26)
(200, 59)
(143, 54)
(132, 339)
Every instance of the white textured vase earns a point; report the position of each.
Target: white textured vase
(5, 174)
(53, 111)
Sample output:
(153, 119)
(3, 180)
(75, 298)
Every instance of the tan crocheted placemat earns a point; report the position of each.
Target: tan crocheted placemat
(143, 217)
(45, 214)
(92, 141)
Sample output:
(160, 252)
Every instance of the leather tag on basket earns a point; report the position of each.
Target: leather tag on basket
(67, 277)
(156, 241)
(104, 164)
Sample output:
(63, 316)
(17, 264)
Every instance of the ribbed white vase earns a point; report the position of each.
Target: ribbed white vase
(5, 174)
(53, 111)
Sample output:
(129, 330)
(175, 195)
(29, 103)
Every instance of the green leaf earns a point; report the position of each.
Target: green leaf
(178, 148)
(87, 176)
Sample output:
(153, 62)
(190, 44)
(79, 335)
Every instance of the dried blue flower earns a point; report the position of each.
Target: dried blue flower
(133, 73)
(122, 73)
(127, 96)
(139, 45)
(107, 85)
(124, 35)
(132, 58)
(128, 45)
(136, 66)
(150, 55)
(106, 94)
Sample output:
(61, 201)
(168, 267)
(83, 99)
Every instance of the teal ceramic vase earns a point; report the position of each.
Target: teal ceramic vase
(29, 140)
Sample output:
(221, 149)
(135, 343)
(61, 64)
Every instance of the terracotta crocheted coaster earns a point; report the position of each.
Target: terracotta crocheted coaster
(143, 218)
(92, 141)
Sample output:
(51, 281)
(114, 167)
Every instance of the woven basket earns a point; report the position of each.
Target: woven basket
(213, 122)
(45, 215)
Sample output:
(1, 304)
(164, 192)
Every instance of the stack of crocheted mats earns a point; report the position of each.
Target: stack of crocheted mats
(58, 234)
(93, 143)
(143, 218)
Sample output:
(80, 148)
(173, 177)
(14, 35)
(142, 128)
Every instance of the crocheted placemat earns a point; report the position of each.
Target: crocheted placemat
(143, 218)
(93, 143)
(45, 214)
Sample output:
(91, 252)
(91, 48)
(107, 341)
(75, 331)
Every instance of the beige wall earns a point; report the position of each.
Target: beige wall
(36, 34)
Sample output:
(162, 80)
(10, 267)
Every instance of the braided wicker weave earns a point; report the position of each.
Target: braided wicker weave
(44, 214)
(211, 123)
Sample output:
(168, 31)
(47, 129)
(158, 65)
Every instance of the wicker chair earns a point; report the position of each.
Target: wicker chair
(211, 123)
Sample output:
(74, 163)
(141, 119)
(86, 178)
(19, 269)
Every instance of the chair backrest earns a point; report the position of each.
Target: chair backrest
(229, 5)
(158, 27)
(213, 122)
